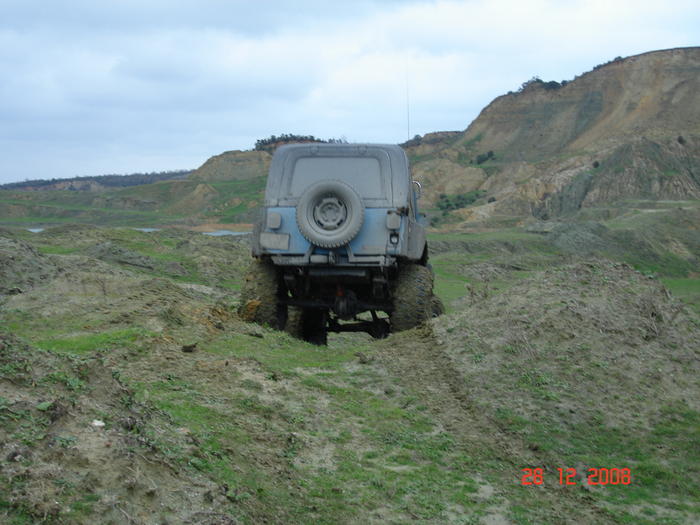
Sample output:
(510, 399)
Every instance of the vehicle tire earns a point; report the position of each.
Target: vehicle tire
(330, 214)
(307, 324)
(412, 297)
(260, 298)
(295, 318)
(314, 329)
(437, 307)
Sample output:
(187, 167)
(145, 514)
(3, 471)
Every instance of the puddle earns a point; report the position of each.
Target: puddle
(219, 233)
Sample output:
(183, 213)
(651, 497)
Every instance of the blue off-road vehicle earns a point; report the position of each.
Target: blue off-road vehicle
(339, 235)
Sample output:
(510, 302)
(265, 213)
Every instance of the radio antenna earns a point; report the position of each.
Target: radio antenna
(408, 110)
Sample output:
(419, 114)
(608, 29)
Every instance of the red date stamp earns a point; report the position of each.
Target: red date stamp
(570, 476)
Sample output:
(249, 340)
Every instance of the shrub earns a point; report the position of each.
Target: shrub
(480, 159)
(271, 142)
(552, 84)
(454, 202)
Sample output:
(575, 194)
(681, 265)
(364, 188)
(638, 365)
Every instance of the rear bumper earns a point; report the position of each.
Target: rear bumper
(333, 258)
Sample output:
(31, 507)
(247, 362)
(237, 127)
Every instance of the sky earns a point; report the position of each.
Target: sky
(91, 87)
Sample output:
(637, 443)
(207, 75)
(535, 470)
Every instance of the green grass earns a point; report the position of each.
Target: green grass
(686, 289)
(449, 285)
(500, 235)
(161, 247)
(164, 202)
(486, 247)
(280, 352)
(57, 250)
(59, 207)
(384, 446)
(658, 459)
(383, 451)
(31, 327)
(84, 343)
(661, 264)
(14, 515)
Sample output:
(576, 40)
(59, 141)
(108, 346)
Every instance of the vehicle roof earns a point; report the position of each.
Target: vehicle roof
(391, 156)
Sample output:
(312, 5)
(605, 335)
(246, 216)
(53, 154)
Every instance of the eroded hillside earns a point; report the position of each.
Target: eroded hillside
(626, 130)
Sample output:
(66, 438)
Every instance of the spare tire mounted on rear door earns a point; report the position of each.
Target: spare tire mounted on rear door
(330, 214)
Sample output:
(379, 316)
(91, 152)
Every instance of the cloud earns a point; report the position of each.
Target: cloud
(134, 86)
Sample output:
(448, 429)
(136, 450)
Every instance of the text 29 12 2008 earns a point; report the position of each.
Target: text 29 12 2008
(569, 476)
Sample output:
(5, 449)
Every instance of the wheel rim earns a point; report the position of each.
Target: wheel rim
(330, 213)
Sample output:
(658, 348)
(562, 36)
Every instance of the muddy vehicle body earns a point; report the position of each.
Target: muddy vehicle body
(339, 235)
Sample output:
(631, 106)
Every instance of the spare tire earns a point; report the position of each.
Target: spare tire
(330, 214)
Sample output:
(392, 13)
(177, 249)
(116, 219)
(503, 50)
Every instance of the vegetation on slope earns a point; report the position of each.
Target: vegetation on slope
(211, 420)
(101, 181)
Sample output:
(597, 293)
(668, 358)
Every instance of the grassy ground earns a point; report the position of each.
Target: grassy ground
(165, 202)
(686, 289)
(544, 361)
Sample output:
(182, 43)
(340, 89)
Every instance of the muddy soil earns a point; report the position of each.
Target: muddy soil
(74, 436)
(21, 266)
(131, 393)
(590, 347)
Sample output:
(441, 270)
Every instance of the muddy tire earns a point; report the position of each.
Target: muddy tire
(412, 297)
(260, 300)
(308, 324)
(314, 329)
(295, 318)
(437, 308)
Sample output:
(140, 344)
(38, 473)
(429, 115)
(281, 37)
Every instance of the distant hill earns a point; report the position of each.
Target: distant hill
(95, 182)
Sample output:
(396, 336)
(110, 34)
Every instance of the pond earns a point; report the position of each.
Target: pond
(215, 233)
(219, 233)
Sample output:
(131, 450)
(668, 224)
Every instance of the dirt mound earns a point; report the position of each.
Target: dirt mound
(580, 238)
(111, 252)
(586, 365)
(72, 229)
(215, 261)
(76, 447)
(22, 267)
(90, 295)
(587, 316)
(665, 243)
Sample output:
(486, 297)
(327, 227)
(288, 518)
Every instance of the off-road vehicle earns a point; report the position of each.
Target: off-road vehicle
(339, 235)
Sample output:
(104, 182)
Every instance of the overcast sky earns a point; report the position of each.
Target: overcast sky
(89, 87)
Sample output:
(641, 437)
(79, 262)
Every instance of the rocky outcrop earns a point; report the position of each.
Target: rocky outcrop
(234, 165)
(629, 129)
(125, 203)
(655, 95)
(195, 200)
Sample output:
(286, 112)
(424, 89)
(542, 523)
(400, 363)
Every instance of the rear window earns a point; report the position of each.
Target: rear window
(362, 173)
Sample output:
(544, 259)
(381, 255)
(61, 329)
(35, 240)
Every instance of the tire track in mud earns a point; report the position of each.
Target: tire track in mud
(424, 367)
